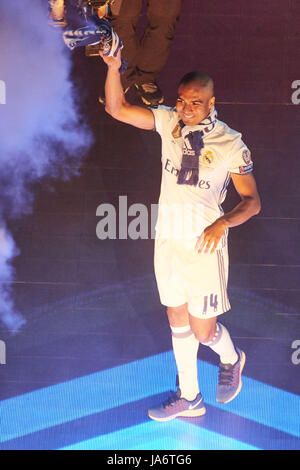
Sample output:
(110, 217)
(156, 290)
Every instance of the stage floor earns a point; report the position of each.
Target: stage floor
(95, 352)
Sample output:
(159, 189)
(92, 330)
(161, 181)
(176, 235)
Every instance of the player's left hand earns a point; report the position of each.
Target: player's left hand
(209, 239)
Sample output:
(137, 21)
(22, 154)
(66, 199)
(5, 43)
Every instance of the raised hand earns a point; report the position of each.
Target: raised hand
(112, 62)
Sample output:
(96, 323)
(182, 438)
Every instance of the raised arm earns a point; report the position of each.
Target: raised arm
(115, 103)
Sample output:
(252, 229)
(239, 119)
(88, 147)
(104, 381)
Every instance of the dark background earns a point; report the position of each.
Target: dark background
(92, 304)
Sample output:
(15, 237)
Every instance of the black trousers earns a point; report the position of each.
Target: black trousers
(147, 57)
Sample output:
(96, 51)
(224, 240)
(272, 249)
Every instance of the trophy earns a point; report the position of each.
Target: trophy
(95, 31)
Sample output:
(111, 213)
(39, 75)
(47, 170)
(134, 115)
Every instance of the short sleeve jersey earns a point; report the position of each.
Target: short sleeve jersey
(184, 211)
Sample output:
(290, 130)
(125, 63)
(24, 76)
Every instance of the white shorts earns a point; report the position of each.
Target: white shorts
(185, 276)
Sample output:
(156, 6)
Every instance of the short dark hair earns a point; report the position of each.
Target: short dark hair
(197, 76)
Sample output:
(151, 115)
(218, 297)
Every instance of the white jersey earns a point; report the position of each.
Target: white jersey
(184, 210)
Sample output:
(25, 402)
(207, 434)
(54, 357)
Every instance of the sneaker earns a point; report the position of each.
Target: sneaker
(230, 379)
(57, 13)
(176, 406)
(150, 93)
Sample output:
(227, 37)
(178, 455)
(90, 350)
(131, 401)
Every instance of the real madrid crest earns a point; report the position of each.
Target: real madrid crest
(176, 132)
(207, 157)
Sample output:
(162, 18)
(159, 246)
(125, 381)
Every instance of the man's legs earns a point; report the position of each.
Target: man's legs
(185, 348)
(213, 334)
(207, 332)
(188, 400)
(125, 24)
(146, 60)
(217, 338)
(187, 332)
(157, 39)
(155, 47)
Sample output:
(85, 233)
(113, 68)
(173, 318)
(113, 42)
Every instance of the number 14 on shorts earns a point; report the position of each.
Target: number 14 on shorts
(213, 302)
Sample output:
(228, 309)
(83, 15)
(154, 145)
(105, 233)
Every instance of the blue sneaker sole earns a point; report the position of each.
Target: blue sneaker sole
(187, 414)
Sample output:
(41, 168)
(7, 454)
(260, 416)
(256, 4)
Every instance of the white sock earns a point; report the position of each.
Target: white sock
(223, 345)
(185, 347)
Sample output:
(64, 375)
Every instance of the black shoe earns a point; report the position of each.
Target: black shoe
(150, 93)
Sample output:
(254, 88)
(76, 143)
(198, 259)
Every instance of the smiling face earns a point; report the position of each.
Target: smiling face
(194, 102)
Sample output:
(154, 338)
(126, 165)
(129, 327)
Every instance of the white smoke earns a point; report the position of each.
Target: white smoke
(41, 130)
(9, 317)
